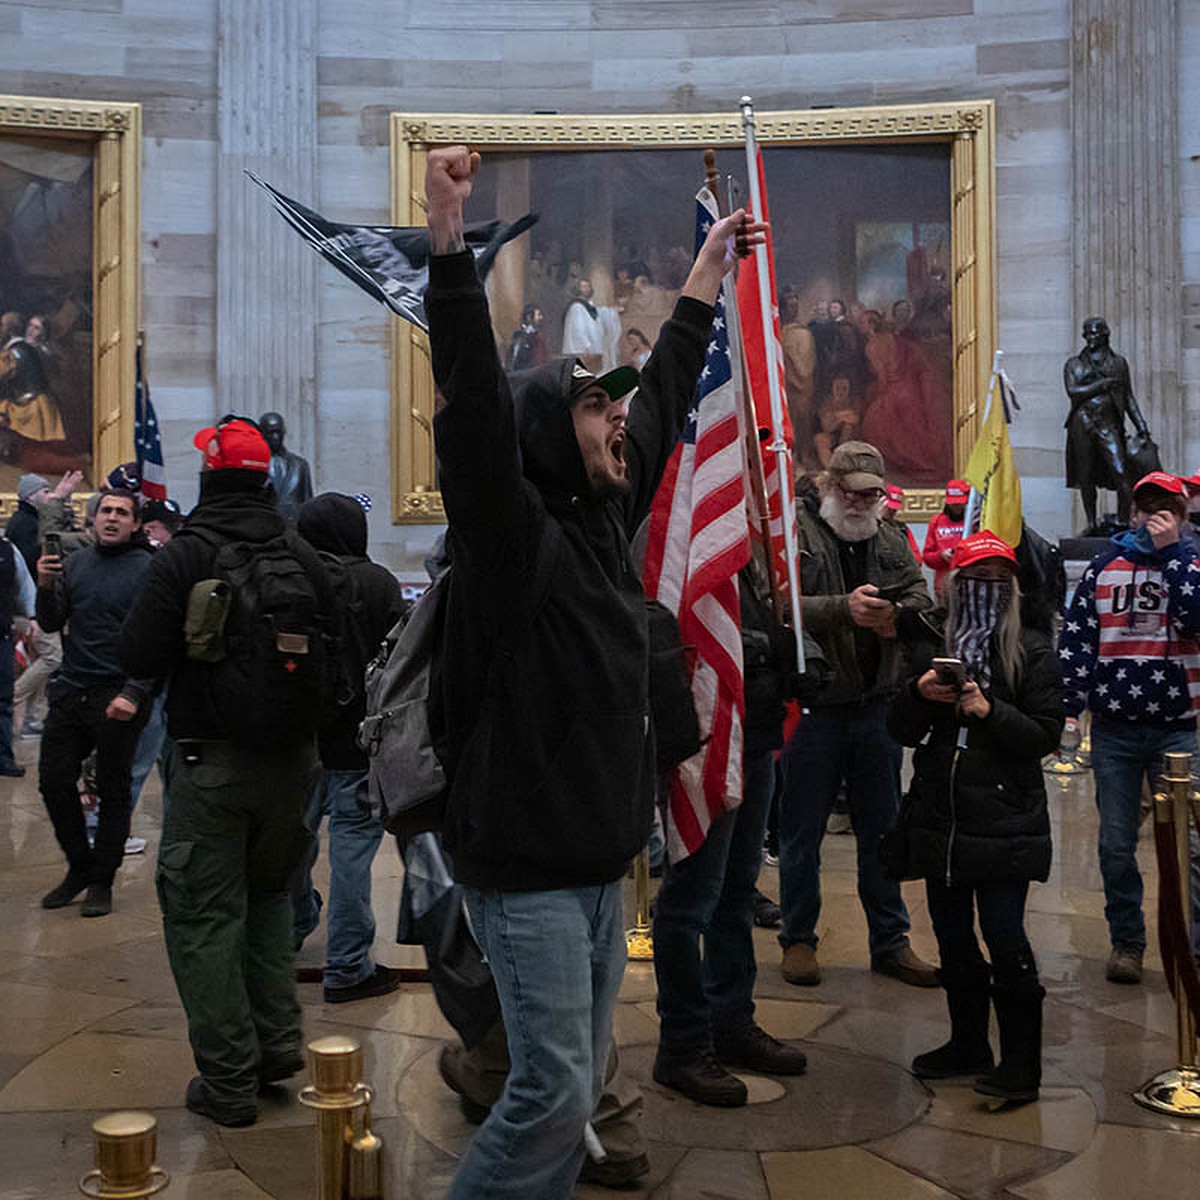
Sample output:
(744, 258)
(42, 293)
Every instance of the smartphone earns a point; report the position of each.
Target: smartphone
(950, 671)
(53, 545)
(892, 593)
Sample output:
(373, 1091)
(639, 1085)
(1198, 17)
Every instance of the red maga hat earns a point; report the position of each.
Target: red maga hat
(979, 546)
(1162, 481)
(895, 497)
(235, 443)
(957, 489)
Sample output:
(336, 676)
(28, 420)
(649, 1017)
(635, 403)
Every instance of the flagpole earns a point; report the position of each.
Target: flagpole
(778, 446)
(974, 501)
(741, 382)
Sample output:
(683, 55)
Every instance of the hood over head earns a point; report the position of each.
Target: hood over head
(334, 523)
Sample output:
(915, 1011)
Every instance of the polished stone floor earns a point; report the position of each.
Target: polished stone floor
(89, 1022)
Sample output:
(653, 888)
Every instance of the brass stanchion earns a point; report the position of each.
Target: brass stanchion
(349, 1161)
(639, 941)
(124, 1145)
(1177, 1091)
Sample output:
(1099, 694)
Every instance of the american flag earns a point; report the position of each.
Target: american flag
(757, 359)
(147, 444)
(697, 542)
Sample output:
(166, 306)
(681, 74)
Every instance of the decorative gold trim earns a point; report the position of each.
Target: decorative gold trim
(968, 126)
(116, 130)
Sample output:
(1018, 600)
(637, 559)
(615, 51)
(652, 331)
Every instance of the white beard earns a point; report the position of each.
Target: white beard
(850, 524)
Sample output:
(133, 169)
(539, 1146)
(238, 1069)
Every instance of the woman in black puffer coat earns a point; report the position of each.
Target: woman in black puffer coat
(978, 830)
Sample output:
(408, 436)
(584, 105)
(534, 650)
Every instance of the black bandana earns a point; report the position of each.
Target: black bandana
(979, 605)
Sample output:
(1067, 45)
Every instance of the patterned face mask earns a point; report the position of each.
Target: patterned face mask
(979, 604)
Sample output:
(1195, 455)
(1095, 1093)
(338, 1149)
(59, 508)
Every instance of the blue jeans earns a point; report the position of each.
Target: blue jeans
(1001, 907)
(148, 748)
(557, 959)
(710, 895)
(1122, 756)
(354, 837)
(847, 741)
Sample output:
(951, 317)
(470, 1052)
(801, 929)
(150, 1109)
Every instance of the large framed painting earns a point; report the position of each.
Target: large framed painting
(884, 232)
(69, 296)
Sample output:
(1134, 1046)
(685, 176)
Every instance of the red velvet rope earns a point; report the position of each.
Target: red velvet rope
(1174, 932)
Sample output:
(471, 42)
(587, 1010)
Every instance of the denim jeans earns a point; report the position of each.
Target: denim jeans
(1001, 907)
(1123, 755)
(847, 741)
(557, 958)
(148, 748)
(710, 895)
(354, 837)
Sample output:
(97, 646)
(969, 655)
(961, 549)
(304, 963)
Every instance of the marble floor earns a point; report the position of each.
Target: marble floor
(89, 1022)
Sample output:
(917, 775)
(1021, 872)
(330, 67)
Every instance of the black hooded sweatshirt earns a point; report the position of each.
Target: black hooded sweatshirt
(549, 748)
(337, 525)
(235, 506)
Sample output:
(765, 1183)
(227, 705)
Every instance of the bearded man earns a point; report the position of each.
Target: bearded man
(862, 592)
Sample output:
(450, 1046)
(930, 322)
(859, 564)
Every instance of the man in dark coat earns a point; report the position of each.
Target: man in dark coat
(336, 527)
(545, 678)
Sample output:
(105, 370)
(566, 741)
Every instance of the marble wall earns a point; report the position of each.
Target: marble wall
(377, 56)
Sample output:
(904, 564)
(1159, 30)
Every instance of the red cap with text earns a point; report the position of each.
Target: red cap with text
(979, 546)
(957, 489)
(234, 444)
(1162, 481)
(895, 497)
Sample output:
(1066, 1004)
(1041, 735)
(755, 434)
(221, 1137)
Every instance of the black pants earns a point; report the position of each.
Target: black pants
(75, 726)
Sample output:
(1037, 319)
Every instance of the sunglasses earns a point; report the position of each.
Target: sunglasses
(866, 496)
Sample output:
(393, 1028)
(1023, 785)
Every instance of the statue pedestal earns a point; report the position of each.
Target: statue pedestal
(1076, 553)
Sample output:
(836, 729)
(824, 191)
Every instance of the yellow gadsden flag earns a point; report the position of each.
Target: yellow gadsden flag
(991, 472)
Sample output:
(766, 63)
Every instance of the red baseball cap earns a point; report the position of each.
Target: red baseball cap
(957, 489)
(895, 497)
(979, 546)
(1162, 481)
(234, 444)
(1192, 483)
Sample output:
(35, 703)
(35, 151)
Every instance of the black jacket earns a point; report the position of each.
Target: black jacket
(978, 814)
(99, 587)
(236, 507)
(22, 531)
(551, 758)
(336, 525)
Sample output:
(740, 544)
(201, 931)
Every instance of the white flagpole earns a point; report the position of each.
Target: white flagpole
(778, 446)
(975, 500)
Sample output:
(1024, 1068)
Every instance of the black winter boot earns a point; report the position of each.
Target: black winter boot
(1019, 1075)
(968, 997)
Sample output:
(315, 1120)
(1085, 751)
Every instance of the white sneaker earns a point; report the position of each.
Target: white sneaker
(135, 845)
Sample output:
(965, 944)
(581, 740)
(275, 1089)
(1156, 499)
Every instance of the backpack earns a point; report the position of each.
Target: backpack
(357, 647)
(271, 666)
(404, 732)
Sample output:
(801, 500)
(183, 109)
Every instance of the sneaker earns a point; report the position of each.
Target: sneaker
(97, 902)
(12, 771)
(756, 1050)
(380, 982)
(31, 728)
(1124, 965)
(767, 914)
(800, 965)
(66, 891)
(908, 968)
(135, 845)
(201, 1100)
(614, 1172)
(448, 1067)
(698, 1076)
(839, 823)
(276, 1070)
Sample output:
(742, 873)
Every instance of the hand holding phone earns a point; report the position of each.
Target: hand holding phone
(892, 593)
(53, 545)
(950, 671)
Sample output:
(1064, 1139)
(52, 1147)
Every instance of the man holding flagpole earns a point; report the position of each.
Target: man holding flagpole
(549, 752)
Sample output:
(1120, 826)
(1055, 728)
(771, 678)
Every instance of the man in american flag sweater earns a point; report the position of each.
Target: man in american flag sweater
(1129, 653)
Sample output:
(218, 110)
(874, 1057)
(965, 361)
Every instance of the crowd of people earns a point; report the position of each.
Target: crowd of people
(231, 648)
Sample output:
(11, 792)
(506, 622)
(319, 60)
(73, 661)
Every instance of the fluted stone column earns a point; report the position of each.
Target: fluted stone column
(266, 275)
(1124, 128)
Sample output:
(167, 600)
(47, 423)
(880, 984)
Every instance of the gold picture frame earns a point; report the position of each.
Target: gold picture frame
(114, 130)
(965, 129)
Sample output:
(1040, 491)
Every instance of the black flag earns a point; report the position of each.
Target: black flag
(389, 262)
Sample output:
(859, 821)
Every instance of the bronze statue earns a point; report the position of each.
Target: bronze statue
(1098, 455)
(289, 474)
